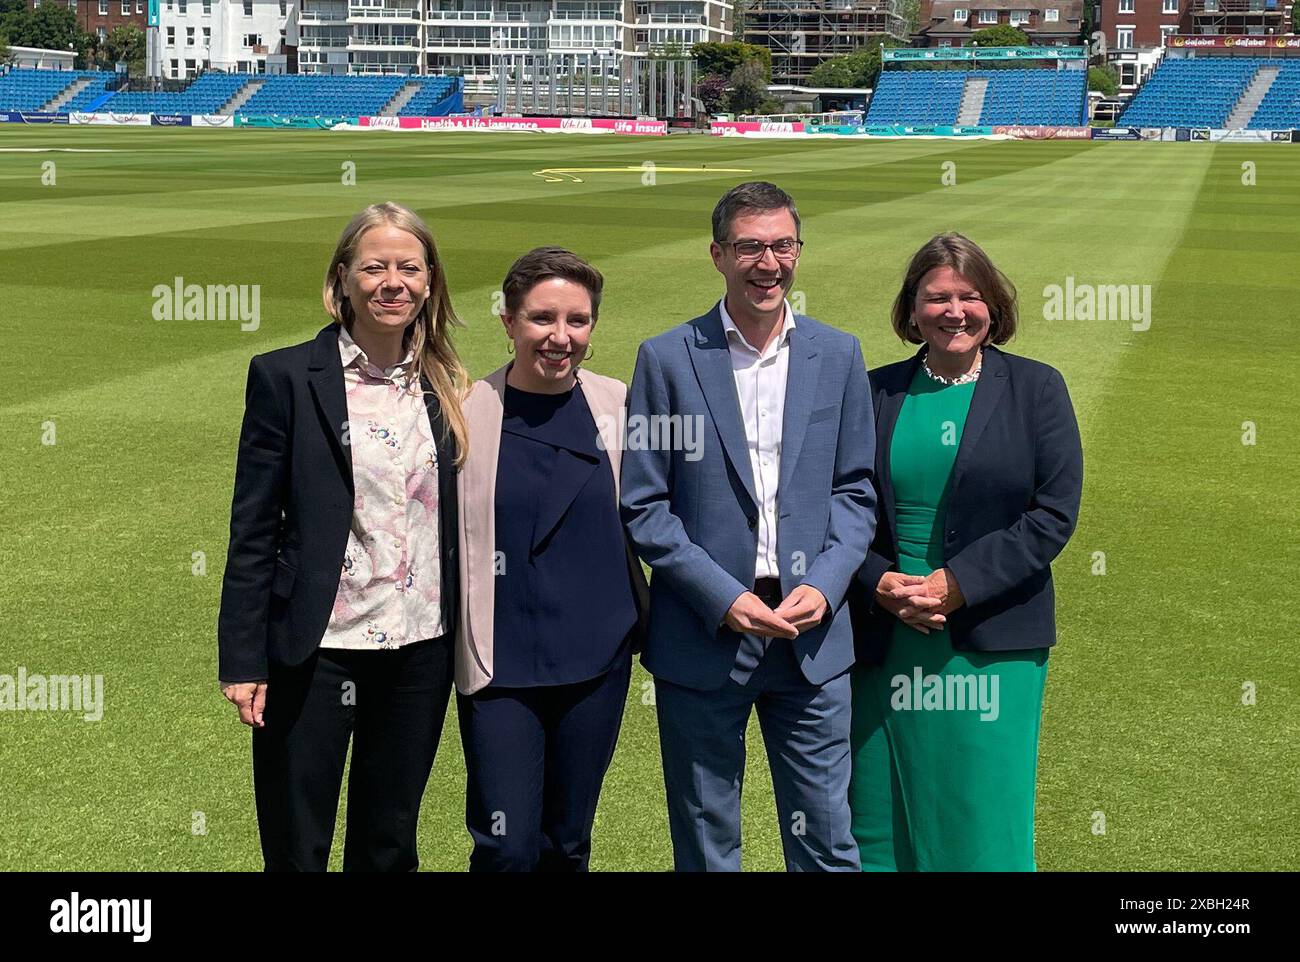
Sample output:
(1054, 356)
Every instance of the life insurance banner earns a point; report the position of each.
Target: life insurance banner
(736, 128)
(33, 117)
(914, 54)
(111, 120)
(565, 125)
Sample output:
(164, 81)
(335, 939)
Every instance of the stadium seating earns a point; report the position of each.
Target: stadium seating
(24, 89)
(206, 95)
(1028, 96)
(1050, 97)
(1201, 92)
(435, 98)
(323, 96)
(1280, 108)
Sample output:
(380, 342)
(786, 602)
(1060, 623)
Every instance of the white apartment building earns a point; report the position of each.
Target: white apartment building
(438, 36)
(248, 36)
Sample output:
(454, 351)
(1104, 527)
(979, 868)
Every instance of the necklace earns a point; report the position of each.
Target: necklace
(967, 378)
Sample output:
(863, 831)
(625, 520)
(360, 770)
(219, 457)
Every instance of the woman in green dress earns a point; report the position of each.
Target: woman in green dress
(979, 470)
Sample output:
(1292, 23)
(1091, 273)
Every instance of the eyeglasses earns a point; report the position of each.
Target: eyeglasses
(785, 249)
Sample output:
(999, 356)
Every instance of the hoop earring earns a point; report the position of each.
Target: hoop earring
(590, 353)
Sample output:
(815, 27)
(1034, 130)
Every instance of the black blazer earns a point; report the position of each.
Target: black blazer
(292, 510)
(1013, 503)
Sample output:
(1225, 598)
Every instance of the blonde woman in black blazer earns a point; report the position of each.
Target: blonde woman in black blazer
(340, 593)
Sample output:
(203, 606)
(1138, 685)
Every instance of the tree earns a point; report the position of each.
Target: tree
(711, 89)
(858, 69)
(125, 43)
(724, 58)
(748, 88)
(1103, 79)
(50, 26)
(1003, 35)
(910, 11)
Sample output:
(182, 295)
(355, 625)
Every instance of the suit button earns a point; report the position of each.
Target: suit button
(753, 523)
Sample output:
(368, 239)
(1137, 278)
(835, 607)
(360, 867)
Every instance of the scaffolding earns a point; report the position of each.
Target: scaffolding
(803, 33)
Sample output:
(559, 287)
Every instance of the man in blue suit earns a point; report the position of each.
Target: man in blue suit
(753, 534)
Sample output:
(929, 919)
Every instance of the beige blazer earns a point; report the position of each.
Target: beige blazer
(476, 488)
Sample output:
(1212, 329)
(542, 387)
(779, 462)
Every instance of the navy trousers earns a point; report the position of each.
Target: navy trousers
(535, 760)
(806, 731)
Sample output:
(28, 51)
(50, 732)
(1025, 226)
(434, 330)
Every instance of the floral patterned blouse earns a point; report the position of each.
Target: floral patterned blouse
(389, 588)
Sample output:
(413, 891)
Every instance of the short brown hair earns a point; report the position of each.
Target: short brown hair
(543, 263)
(757, 196)
(966, 258)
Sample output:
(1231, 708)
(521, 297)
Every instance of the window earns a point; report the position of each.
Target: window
(252, 40)
(72, 4)
(1018, 17)
(1211, 6)
(1124, 38)
(1170, 6)
(207, 36)
(960, 15)
(189, 36)
(1125, 6)
(103, 8)
(1051, 15)
(207, 8)
(171, 36)
(282, 7)
(945, 43)
(991, 16)
(101, 33)
(181, 5)
(126, 8)
(139, 6)
(248, 8)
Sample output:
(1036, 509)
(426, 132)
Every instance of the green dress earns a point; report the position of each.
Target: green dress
(944, 742)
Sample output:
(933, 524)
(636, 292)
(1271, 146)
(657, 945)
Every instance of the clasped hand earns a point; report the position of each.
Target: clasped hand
(920, 602)
(802, 609)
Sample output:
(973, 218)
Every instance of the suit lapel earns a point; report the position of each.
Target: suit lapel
(800, 391)
(988, 393)
(707, 347)
(325, 376)
(888, 407)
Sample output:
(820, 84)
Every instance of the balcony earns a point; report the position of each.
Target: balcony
(1214, 8)
(384, 13)
(686, 18)
(363, 43)
(311, 16)
(312, 43)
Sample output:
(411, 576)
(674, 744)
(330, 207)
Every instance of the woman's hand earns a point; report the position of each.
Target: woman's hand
(250, 698)
(938, 594)
(905, 597)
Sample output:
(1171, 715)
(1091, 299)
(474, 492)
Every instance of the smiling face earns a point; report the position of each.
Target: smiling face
(550, 331)
(388, 279)
(950, 313)
(757, 286)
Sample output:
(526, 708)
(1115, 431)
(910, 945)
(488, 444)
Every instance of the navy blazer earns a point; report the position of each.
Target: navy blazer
(1013, 502)
(292, 509)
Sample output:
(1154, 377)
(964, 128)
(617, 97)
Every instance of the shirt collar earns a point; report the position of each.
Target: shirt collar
(350, 352)
(733, 333)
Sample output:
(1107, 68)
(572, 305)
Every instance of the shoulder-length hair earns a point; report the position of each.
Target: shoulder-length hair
(969, 260)
(429, 335)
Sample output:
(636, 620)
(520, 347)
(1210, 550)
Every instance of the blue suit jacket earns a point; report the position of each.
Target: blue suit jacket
(695, 521)
(1013, 503)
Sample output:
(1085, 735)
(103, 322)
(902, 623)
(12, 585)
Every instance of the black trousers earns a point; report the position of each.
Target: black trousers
(535, 760)
(391, 705)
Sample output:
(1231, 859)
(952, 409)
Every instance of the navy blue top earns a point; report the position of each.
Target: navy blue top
(564, 597)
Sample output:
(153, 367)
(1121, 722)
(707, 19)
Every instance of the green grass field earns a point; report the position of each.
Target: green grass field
(1145, 721)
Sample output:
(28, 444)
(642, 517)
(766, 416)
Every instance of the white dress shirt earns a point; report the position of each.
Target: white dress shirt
(760, 386)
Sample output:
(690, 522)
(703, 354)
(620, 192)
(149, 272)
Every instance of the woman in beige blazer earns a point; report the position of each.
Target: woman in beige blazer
(551, 594)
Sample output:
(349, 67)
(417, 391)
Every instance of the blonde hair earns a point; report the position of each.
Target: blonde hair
(429, 335)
